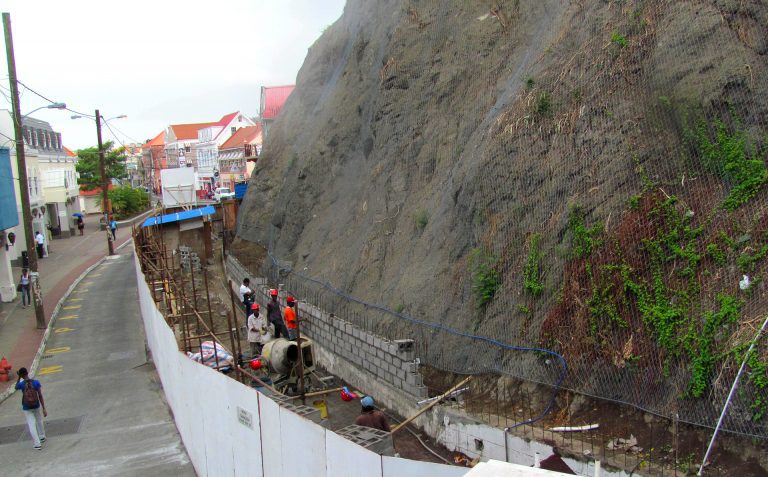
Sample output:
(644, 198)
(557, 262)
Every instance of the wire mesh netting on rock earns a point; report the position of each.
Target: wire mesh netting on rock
(537, 179)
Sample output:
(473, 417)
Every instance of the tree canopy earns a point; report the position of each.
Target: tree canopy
(88, 165)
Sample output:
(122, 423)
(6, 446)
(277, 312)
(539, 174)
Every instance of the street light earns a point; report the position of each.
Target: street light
(21, 162)
(106, 207)
(50, 106)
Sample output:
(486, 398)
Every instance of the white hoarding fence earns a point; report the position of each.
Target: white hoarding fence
(236, 430)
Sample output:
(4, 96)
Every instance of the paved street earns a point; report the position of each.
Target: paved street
(69, 257)
(106, 412)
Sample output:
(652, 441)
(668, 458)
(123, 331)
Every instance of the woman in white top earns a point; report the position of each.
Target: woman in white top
(26, 300)
(258, 330)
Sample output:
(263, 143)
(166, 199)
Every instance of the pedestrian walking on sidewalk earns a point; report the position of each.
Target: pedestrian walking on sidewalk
(80, 225)
(113, 228)
(40, 241)
(26, 299)
(33, 406)
(275, 316)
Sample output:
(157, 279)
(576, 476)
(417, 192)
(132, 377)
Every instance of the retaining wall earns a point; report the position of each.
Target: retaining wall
(393, 362)
(230, 429)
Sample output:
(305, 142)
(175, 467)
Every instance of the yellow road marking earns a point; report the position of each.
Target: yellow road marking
(50, 369)
(75, 299)
(62, 349)
(96, 275)
(80, 291)
(72, 307)
(69, 317)
(63, 330)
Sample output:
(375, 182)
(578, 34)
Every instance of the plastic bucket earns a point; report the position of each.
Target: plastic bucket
(322, 406)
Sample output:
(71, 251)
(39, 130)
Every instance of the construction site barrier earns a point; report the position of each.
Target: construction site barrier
(229, 428)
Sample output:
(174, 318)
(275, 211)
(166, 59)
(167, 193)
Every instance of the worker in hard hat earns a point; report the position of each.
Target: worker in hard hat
(370, 416)
(289, 313)
(274, 315)
(258, 330)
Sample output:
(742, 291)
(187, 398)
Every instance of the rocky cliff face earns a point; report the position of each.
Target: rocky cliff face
(586, 175)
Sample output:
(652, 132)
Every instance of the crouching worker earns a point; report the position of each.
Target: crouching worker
(370, 416)
(258, 330)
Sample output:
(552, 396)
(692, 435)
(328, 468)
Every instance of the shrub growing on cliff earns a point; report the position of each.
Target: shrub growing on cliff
(486, 280)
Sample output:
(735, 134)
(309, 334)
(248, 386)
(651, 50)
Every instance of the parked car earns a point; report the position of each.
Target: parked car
(223, 193)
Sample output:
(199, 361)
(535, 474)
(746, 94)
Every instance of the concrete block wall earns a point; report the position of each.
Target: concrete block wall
(393, 362)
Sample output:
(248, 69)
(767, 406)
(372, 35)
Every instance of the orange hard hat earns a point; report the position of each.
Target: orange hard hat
(290, 299)
(273, 292)
(255, 364)
(255, 306)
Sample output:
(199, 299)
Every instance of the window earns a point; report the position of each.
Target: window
(232, 130)
(188, 148)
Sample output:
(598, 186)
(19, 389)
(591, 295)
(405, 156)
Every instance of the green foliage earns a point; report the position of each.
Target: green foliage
(619, 39)
(727, 153)
(746, 262)
(529, 83)
(523, 309)
(758, 376)
(634, 201)
(126, 201)
(400, 307)
(584, 239)
(703, 343)
(88, 165)
(420, 218)
(486, 280)
(544, 104)
(602, 309)
(717, 255)
(532, 268)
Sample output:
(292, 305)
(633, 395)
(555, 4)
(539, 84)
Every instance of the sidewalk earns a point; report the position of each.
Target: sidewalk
(68, 259)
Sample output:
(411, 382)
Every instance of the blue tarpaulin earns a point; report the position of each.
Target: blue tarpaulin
(179, 216)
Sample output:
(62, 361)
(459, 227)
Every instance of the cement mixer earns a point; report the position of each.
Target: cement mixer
(282, 358)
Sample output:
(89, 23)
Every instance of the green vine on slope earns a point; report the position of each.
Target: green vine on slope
(584, 239)
(703, 343)
(603, 311)
(486, 280)
(532, 268)
(727, 153)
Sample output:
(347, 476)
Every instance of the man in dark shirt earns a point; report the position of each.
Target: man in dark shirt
(371, 417)
(275, 316)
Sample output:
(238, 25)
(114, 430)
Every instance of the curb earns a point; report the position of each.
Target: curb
(40, 350)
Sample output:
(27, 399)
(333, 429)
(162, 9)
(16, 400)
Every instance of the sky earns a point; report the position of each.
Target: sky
(159, 62)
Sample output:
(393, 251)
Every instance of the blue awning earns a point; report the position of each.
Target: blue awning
(179, 216)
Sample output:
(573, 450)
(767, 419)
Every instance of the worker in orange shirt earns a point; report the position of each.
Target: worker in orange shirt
(289, 315)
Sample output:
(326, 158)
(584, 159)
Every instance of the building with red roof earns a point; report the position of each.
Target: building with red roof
(237, 156)
(209, 142)
(153, 159)
(273, 99)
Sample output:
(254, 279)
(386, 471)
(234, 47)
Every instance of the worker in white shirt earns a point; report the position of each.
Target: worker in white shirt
(258, 330)
(40, 244)
(246, 296)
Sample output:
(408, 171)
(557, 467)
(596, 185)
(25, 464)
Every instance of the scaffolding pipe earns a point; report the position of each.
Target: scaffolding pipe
(431, 405)
(730, 396)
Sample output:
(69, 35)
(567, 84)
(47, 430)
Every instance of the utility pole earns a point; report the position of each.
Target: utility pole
(104, 186)
(37, 295)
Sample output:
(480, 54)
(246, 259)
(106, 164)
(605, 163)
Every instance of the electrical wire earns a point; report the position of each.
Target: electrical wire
(52, 101)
